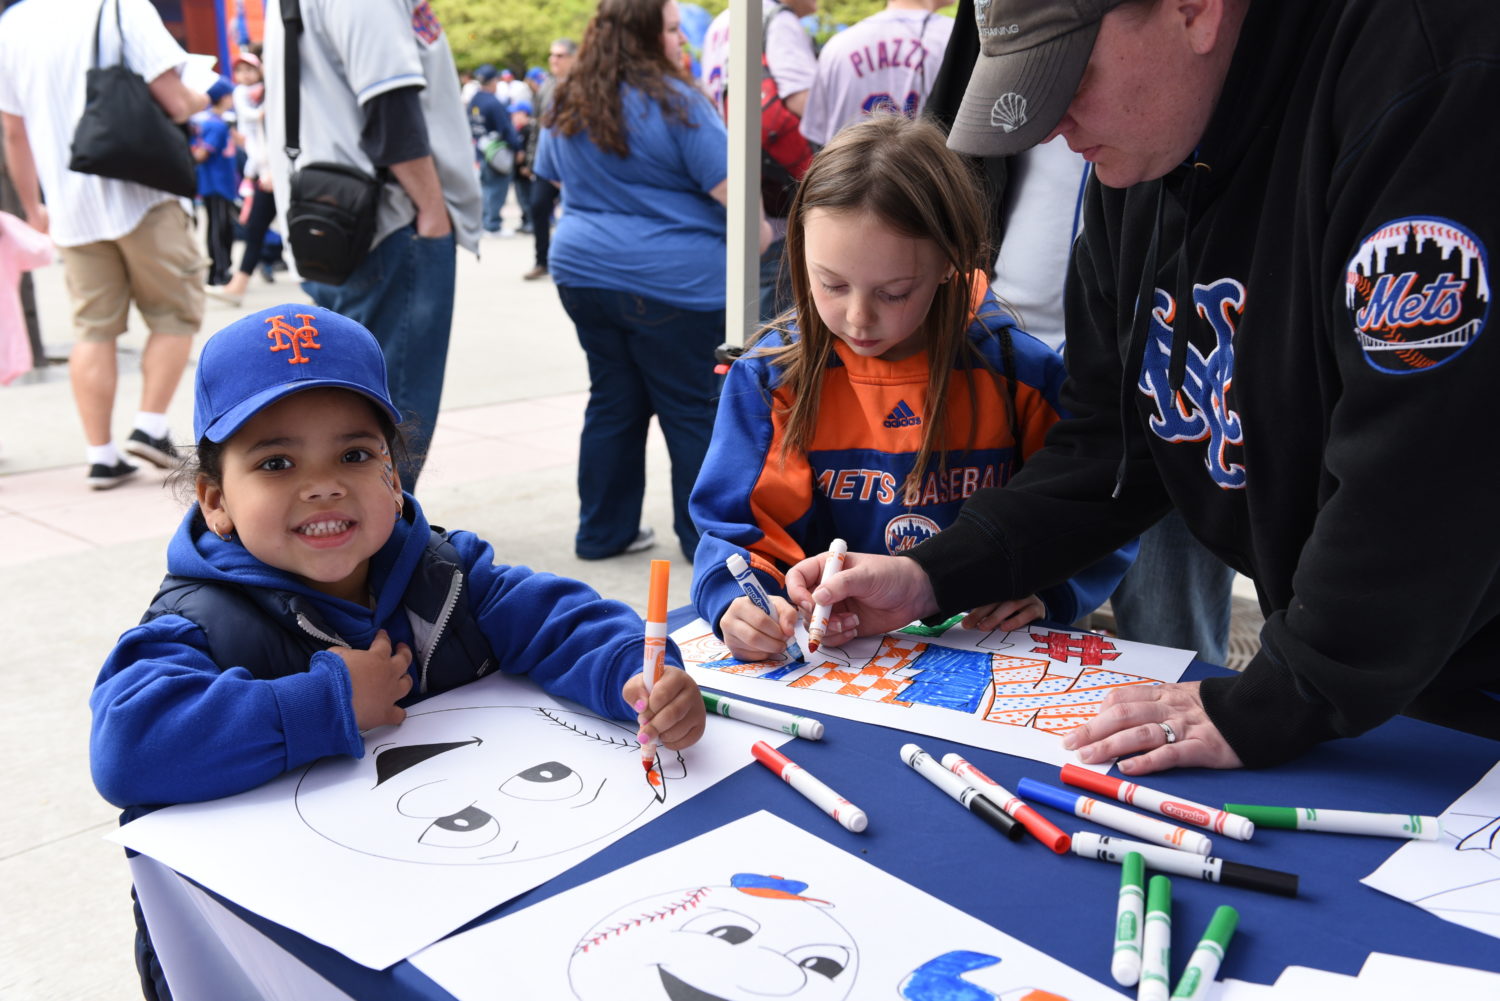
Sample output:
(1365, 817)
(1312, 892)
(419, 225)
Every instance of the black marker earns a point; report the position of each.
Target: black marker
(1164, 859)
(928, 767)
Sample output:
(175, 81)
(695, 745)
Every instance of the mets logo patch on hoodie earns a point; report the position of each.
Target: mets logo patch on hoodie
(1418, 293)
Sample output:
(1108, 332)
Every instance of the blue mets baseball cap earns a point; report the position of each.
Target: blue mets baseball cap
(276, 352)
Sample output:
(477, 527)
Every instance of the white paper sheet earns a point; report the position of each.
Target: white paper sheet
(1016, 692)
(483, 793)
(757, 909)
(1405, 977)
(1456, 877)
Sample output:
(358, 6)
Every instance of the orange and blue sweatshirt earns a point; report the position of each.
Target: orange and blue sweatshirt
(849, 483)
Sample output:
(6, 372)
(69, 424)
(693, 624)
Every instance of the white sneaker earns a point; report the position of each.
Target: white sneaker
(506, 232)
(644, 539)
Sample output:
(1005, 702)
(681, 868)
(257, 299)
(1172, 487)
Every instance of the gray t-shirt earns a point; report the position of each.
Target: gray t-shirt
(351, 52)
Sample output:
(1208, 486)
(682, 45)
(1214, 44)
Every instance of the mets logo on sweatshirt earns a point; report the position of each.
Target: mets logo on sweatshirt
(905, 531)
(1199, 412)
(1418, 293)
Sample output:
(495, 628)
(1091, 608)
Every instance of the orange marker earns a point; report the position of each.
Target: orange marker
(1039, 826)
(819, 621)
(656, 651)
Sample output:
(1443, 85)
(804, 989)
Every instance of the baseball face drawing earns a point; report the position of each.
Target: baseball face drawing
(758, 938)
(483, 785)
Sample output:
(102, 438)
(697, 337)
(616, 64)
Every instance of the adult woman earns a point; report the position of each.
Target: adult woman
(642, 159)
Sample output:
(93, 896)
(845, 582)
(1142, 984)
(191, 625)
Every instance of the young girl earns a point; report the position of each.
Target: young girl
(896, 387)
(308, 599)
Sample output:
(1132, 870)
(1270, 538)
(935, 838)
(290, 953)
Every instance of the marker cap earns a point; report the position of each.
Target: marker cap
(736, 564)
(1222, 925)
(1265, 816)
(1159, 895)
(656, 604)
(1041, 792)
(1133, 870)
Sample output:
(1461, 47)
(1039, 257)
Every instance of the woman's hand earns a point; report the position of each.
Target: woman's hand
(1006, 615)
(872, 594)
(1166, 722)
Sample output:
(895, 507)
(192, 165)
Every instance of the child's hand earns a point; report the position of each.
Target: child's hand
(674, 714)
(752, 635)
(379, 679)
(1006, 615)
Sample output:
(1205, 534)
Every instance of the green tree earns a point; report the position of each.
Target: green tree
(516, 33)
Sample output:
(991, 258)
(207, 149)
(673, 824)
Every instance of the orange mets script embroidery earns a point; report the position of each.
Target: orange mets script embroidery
(285, 337)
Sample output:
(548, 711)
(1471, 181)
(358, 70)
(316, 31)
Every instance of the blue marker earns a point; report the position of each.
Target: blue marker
(757, 595)
(1138, 824)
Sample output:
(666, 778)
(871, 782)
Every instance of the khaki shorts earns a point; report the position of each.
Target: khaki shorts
(157, 264)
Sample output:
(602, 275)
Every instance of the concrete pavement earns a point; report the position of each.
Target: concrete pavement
(78, 567)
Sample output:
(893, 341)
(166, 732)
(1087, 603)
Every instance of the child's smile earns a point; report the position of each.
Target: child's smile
(309, 488)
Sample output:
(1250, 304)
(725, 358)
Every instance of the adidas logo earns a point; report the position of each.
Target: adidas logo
(902, 416)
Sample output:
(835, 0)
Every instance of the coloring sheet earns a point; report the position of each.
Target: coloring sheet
(1016, 692)
(481, 794)
(1456, 877)
(757, 909)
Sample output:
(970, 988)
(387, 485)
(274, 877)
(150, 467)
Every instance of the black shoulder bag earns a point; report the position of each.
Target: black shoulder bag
(331, 219)
(124, 134)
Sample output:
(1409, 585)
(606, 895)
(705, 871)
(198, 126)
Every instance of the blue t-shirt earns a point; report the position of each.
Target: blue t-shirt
(643, 223)
(217, 173)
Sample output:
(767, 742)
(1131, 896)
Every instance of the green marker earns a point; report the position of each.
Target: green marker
(1126, 964)
(1203, 966)
(1380, 825)
(771, 719)
(1156, 946)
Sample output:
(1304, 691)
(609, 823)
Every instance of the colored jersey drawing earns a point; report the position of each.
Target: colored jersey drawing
(1039, 679)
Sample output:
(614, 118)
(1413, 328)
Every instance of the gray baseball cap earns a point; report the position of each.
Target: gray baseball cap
(1031, 59)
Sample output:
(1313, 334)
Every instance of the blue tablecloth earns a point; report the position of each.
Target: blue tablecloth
(1064, 905)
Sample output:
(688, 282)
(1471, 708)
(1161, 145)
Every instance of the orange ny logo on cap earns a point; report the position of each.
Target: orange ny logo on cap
(285, 337)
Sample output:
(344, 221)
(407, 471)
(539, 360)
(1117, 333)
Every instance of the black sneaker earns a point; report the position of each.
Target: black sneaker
(158, 451)
(102, 477)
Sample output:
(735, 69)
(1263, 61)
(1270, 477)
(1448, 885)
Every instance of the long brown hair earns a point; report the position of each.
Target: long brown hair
(902, 172)
(621, 45)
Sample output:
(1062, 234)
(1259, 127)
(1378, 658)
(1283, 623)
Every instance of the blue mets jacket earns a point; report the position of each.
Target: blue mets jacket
(868, 434)
(227, 681)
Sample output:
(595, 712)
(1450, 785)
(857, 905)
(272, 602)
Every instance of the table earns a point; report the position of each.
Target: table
(1064, 905)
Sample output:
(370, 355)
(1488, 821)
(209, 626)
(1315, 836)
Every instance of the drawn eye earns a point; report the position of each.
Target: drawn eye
(826, 960)
(467, 828)
(727, 926)
(551, 780)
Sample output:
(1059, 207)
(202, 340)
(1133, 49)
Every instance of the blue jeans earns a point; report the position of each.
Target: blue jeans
(495, 187)
(1176, 593)
(645, 357)
(775, 283)
(403, 292)
(524, 197)
(543, 203)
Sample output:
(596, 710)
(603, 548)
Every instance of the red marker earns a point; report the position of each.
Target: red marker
(1040, 827)
(654, 662)
(794, 775)
(1185, 810)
